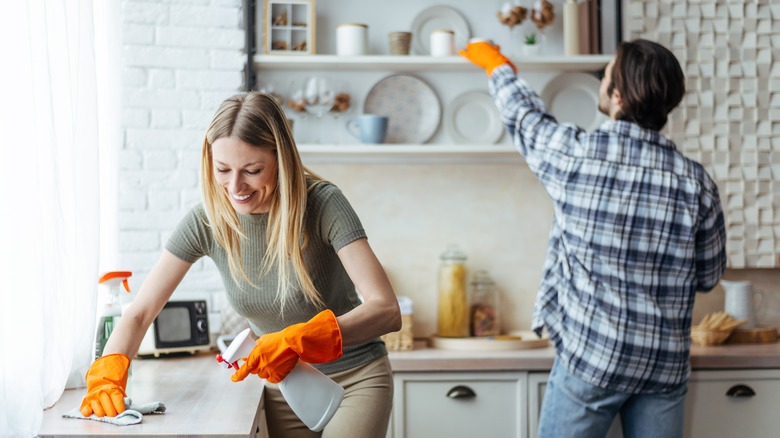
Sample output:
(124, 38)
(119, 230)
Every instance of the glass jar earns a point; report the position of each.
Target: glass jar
(484, 318)
(453, 320)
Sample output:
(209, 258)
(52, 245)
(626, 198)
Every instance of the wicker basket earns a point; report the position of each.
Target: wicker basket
(403, 339)
(709, 336)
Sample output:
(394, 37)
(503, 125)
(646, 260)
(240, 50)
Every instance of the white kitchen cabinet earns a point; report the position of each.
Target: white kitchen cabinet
(453, 405)
(735, 403)
(738, 403)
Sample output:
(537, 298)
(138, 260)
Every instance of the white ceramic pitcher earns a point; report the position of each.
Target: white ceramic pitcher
(741, 301)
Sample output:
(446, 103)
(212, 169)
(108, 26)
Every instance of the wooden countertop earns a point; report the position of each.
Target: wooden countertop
(731, 357)
(199, 396)
(202, 401)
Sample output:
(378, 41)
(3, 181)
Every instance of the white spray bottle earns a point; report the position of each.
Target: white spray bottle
(109, 307)
(313, 396)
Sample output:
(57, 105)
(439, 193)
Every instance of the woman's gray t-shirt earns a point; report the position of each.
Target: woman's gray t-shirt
(330, 223)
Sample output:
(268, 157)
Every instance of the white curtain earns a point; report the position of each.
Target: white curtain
(59, 136)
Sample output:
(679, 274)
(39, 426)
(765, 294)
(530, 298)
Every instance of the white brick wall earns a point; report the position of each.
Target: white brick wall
(181, 58)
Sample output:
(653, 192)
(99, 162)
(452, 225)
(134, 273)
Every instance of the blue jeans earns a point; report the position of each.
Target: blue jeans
(574, 408)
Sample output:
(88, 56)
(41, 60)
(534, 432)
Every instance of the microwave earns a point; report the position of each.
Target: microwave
(181, 326)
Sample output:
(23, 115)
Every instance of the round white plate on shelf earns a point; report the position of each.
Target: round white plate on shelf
(516, 340)
(472, 118)
(412, 107)
(438, 18)
(574, 98)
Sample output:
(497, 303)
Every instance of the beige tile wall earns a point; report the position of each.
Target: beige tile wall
(497, 213)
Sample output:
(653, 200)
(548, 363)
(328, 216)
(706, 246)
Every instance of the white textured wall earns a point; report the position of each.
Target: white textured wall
(180, 60)
(730, 52)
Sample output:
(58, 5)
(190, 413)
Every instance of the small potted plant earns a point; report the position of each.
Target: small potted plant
(531, 46)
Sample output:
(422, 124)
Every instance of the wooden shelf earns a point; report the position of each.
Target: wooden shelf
(409, 153)
(422, 63)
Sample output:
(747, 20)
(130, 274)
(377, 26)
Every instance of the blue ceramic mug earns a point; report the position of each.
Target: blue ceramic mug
(368, 128)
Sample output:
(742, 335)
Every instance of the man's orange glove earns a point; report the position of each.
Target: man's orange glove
(106, 383)
(486, 55)
(276, 354)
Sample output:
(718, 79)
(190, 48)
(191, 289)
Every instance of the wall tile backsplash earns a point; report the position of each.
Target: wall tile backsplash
(728, 120)
(499, 215)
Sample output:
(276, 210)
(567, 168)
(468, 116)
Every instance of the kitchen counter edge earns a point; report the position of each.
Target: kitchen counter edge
(720, 357)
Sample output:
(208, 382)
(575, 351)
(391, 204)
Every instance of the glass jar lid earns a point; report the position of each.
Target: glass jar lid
(453, 253)
(481, 277)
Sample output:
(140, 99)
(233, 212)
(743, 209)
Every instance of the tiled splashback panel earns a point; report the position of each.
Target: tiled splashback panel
(730, 118)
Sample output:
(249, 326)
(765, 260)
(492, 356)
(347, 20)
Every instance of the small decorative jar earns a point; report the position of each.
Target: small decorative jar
(483, 315)
(351, 39)
(442, 43)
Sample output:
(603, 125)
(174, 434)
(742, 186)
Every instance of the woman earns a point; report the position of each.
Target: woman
(291, 251)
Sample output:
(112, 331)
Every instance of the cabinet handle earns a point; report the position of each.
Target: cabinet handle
(461, 391)
(740, 391)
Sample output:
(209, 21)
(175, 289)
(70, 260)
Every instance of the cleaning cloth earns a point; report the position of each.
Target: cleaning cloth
(133, 413)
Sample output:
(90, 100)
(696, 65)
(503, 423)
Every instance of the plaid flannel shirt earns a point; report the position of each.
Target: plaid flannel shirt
(638, 229)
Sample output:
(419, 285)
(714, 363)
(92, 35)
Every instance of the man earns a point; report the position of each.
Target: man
(638, 229)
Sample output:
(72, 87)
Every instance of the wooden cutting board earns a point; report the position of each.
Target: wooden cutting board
(758, 335)
(519, 340)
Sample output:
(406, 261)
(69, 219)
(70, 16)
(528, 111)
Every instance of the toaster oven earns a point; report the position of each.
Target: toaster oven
(181, 326)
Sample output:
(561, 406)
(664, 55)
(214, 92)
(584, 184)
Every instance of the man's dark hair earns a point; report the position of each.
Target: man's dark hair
(650, 81)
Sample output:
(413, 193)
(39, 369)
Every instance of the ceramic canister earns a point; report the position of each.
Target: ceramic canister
(351, 39)
(740, 301)
(442, 43)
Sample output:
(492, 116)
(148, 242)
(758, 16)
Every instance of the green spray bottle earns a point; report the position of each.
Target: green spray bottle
(109, 307)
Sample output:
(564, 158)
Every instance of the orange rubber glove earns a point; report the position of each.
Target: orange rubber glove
(106, 383)
(485, 55)
(276, 354)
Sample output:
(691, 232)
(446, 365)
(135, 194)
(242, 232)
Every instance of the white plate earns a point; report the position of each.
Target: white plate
(438, 18)
(473, 118)
(574, 98)
(411, 105)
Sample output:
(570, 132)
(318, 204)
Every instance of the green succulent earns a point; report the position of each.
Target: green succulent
(530, 38)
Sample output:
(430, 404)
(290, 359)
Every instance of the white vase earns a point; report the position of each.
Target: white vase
(530, 49)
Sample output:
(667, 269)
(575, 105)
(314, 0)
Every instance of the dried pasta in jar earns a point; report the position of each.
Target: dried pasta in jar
(453, 316)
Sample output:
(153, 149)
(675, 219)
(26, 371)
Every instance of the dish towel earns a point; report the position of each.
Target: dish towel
(133, 413)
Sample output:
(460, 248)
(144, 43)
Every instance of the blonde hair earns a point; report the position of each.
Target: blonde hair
(255, 118)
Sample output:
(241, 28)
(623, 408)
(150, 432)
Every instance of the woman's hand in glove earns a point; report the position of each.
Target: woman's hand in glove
(106, 383)
(275, 355)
